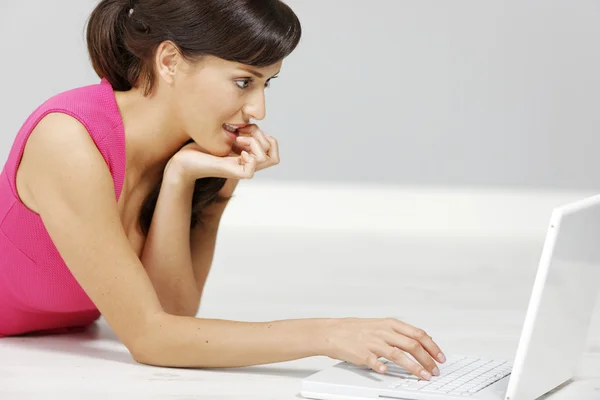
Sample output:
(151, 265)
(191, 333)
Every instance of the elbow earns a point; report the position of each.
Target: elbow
(150, 357)
(144, 351)
(150, 347)
(142, 356)
(155, 347)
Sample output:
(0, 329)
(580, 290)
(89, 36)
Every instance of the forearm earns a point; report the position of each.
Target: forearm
(166, 255)
(210, 343)
(204, 236)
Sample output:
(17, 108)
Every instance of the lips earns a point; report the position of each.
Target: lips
(230, 128)
(231, 135)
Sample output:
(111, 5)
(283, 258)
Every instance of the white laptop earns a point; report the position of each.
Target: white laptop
(552, 340)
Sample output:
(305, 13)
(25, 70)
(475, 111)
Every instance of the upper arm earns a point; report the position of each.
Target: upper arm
(74, 195)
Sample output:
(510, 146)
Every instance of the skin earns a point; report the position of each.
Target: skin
(149, 288)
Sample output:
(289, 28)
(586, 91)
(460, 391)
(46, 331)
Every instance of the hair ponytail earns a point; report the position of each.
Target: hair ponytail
(106, 32)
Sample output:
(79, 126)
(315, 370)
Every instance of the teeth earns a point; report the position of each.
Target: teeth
(230, 128)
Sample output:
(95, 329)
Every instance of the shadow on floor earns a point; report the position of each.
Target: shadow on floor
(94, 341)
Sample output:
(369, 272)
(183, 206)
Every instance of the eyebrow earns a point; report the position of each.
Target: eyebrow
(256, 73)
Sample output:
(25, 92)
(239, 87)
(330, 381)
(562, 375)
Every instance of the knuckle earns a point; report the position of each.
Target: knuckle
(420, 334)
(396, 354)
(413, 346)
(429, 364)
(415, 370)
(371, 360)
(390, 322)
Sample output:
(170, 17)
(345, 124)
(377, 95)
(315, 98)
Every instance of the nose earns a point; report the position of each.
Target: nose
(256, 107)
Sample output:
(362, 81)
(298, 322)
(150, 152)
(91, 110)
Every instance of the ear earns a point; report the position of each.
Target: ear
(167, 58)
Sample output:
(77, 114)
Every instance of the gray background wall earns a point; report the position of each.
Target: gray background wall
(469, 93)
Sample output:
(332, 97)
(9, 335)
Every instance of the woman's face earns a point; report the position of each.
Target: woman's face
(214, 92)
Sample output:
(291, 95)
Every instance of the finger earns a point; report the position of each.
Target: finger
(375, 364)
(249, 160)
(242, 143)
(237, 148)
(414, 348)
(255, 147)
(422, 337)
(399, 358)
(259, 135)
(254, 131)
(247, 166)
(274, 150)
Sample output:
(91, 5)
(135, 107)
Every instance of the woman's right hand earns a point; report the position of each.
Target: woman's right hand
(363, 341)
(252, 151)
(192, 163)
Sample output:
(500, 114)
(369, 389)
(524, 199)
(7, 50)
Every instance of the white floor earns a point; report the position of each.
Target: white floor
(469, 289)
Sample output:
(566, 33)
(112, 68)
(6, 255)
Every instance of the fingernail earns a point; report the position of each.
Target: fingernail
(426, 375)
(382, 369)
(436, 371)
(442, 357)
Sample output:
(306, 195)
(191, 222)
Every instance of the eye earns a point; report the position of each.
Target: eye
(245, 83)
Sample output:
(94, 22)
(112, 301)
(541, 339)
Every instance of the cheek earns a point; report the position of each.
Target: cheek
(207, 103)
(191, 104)
(224, 99)
(225, 104)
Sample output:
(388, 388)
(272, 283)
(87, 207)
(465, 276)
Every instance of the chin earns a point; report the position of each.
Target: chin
(221, 151)
(218, 148)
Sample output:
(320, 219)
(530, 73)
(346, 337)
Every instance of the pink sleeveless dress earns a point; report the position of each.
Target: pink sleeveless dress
(38, 293)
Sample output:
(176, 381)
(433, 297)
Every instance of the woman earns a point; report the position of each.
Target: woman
(112, 193)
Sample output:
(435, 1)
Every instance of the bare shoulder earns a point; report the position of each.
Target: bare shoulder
(58, 144)
(59, 130)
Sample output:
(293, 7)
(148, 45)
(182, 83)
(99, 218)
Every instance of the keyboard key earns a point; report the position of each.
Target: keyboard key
(467, 376)
(459, 376)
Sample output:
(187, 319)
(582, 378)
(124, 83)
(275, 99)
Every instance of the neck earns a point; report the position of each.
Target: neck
(151, 136)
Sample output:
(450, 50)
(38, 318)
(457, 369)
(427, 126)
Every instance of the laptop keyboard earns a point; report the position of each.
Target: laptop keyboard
(459, 376)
